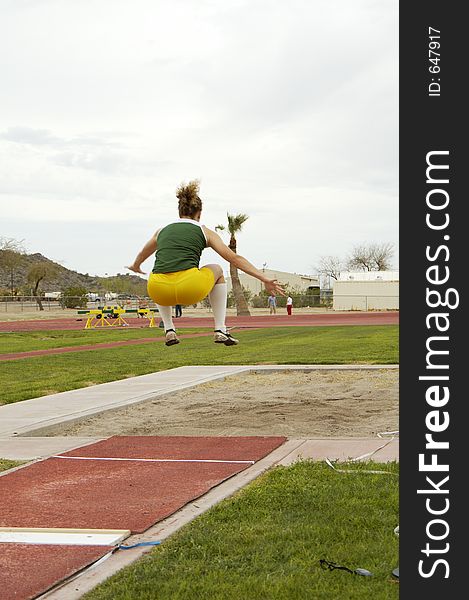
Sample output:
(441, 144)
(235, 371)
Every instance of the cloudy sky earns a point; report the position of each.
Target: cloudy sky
(286, 111)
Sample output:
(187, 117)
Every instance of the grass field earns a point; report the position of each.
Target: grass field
(45, 340)
(8, 464)
(267, 541)
(29, 378)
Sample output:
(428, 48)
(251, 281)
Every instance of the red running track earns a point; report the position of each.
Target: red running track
(300, 320)
(89, 491)
(27, 570)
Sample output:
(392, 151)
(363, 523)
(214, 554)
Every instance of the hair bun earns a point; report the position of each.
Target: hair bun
(188, 195)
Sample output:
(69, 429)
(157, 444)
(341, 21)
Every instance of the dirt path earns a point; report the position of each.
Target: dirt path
(294, 404)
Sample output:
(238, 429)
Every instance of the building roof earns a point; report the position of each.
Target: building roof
(369, 276)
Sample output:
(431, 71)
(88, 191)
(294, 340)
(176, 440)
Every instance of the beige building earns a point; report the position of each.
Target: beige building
(378, 290)
(293, 280)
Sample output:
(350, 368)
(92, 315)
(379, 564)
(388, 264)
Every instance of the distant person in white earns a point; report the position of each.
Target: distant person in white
(289, 304)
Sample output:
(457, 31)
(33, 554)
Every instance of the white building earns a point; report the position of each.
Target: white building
(368, 290)
(369, 276)
(292, 280)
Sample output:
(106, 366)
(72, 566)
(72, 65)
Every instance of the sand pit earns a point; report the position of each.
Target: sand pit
(295, 404)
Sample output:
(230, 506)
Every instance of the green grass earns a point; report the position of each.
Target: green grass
(45, 340)
(29, 378)
(266, 542)
(6, 464)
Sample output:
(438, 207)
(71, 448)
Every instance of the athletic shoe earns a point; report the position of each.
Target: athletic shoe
(224, 338)
(171, 337)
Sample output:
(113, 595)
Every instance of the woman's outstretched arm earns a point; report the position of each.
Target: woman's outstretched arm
(215, 242)
(145, 252)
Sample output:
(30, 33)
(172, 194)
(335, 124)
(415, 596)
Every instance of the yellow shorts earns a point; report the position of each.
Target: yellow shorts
(181, 287)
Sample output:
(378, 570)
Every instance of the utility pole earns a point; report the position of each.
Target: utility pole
(263, 270)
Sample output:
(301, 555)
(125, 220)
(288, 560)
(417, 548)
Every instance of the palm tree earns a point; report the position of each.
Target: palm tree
(235, 224)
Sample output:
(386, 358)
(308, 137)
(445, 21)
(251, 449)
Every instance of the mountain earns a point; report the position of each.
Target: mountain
(64, 278)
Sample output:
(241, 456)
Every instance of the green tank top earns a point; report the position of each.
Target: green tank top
(179, 246)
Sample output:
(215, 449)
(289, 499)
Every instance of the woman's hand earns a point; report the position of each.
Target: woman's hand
(272, 285)
(136, 269)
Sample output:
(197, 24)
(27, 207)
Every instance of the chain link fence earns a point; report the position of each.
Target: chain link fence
(299, 301)
(17, 304)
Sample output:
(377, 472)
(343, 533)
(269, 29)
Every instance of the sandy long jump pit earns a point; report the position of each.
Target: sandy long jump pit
(305, 404)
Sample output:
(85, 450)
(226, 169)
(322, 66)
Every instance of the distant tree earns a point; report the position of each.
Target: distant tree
(123, 284)
(74, 297)
(371, 257)
(4, 293)
(39, 273)
(235, 224)
(382, 255)
(330, 266)
(11, 256)
(119, 284)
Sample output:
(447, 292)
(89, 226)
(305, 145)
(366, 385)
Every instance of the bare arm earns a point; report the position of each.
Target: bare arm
(145, 252)
(215, 242)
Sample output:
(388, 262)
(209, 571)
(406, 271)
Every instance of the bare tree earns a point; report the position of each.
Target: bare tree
(360, 259)
(382, 255)
(330, 266)
(371, 257)
(40, 272)
(11, 256)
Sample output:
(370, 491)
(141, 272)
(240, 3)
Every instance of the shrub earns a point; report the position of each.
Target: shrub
(74, 297)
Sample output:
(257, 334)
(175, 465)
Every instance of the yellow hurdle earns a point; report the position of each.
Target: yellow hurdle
(120, 319)
(100, 317)
(95, 318)
(148, 313)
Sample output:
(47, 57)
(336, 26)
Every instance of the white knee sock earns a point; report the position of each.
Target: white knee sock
(217, 299)
(166, 313)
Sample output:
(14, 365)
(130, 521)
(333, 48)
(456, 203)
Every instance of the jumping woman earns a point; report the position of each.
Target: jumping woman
(176, 277)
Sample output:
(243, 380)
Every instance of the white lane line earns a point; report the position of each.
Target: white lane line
(159, 460)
